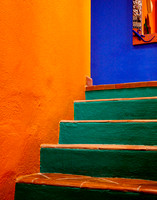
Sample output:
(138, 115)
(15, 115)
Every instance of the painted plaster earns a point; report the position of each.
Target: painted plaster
(40, 192)
(44, 58)
(135, 161)
(113, 57)
(112, 110)
(100, 163)
(122, 93)
(131, 133)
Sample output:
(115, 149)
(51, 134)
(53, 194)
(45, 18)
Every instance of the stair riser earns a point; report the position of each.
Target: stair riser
(116, 110)
(108, 133)
(100, 163)
(45, 192)
(121, 93)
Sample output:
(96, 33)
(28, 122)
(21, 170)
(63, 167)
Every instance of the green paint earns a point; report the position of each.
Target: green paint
(116, 110)
(100, 163)
(122, 93)
(108, 133)
(47, 192)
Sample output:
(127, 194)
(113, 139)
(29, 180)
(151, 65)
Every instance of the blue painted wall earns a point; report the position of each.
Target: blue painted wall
(113, 57)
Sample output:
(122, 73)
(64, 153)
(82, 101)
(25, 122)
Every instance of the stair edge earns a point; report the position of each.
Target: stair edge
(109, 121)
(122, 86)
(101, 147)
(88, 182)
(116, 99)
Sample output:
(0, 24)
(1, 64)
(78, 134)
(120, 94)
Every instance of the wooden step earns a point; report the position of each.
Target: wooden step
(127, 132)
(115, 109)
(65, 186)
(123, 90)
(139, 162)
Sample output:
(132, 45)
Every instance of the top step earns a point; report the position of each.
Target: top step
(123, 90)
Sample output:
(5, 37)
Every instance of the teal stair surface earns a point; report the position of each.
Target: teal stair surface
(115, 109)
(122, 93)
(108, 132)
(47, 192)
(100, 163)
(109, 150)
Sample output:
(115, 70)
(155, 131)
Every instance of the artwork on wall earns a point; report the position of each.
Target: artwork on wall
(144, 21)
(137, 14)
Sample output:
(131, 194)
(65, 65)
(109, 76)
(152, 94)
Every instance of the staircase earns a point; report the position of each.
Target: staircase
(109, 151)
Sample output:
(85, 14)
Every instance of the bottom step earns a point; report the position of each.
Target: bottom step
(65, 186)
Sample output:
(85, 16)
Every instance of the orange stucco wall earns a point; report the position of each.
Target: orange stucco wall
(152, 16)
(44, 58)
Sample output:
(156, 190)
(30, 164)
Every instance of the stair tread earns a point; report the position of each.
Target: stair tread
(122, 86)
(110, 121)
(116, 99)
(79, 181)
(101, 147)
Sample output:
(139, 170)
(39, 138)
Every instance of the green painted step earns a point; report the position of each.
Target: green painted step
(133, 132)
(136, 164)
(116, 109)
(122, 93)
(46, 192)
(69, 187)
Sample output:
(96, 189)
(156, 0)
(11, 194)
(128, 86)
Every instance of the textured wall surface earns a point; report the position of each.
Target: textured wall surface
(114, 58)
(44, 58)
